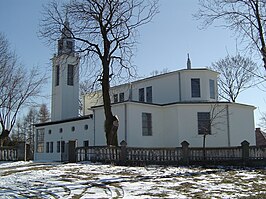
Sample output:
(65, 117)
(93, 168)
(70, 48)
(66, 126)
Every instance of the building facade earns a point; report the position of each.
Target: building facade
(159, 111)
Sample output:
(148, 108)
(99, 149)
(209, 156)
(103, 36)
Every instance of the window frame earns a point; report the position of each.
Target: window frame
(149, 94)
(212, 88)
(58, 147)
(70, 74)
(63, 143)
(51, 147)
(146, 124)
(115, 98)
(40, 140)
(204, 121)
(141, 95)
(121, 97)
(47, 147)
(57, 75)
(195, 88)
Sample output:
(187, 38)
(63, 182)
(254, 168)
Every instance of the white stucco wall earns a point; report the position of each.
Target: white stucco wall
(166, 88)
(65, 98)
(241, 124)
(204, 75)
(175, 123)
(80, 135)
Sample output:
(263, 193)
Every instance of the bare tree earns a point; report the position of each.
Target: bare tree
(18, 86)
(105, 32)
(246, 17)
(210, 122)
(236, 75)
(18, 132)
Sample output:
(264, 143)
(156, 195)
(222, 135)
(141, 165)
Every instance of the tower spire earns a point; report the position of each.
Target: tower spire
(188, 62)
(66, 43)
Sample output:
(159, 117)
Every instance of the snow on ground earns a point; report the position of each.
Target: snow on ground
(86, 180)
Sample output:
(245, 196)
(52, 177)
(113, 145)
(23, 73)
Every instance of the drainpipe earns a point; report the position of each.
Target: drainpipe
(125, 121)
(228, 125)
(94, 119)
(84, 105)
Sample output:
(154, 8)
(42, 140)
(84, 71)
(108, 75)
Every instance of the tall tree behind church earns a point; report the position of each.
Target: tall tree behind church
(105, 33)
(44, 114)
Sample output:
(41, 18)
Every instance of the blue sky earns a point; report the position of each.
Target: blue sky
(163, 43)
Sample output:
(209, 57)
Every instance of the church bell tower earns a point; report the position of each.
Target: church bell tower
(65, 78)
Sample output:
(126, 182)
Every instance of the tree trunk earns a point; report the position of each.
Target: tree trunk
(110, 132)
(4, 137)
(204, 146)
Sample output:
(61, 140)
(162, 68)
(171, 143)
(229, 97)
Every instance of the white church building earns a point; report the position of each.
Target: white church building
(159, 111)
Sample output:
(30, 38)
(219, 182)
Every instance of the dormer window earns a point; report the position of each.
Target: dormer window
(195, 87)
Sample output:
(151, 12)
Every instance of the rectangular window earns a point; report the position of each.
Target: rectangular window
(58, 147)
(212, 89)
(51, 147)
(115, 98)
(121, 97)
(62, 146)
(70, 45)
(86, 143)
(149, 94)
(141, 94)
(57, 75)
(195, 87)
(146, 124)
(47, 147)
(70, 75)
(204, 123)
(40, 141)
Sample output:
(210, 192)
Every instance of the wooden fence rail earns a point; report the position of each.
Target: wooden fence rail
(242, 155)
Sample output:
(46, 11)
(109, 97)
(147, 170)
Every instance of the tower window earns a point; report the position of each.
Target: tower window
(57, 75)
(141, 94)
(149, 94)
(115, 98)
(70, 46)
(70, 75)
(121, 97)
(195, 87)
(60, 46)
(212, 89)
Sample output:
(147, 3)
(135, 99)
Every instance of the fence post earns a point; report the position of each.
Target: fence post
(123, 155)
(21, 151)
(185, 153)
(245, 151)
